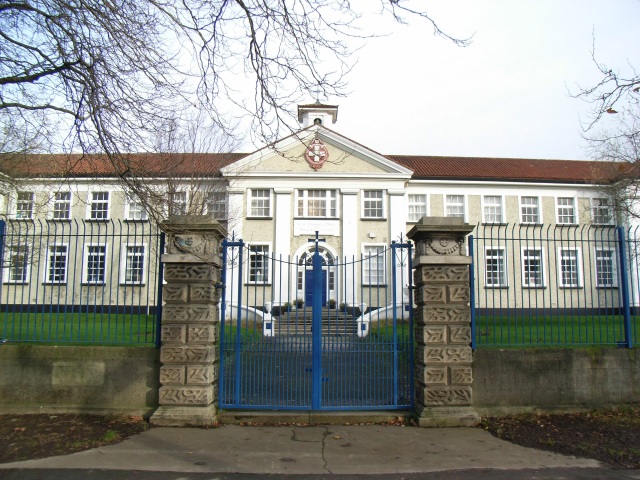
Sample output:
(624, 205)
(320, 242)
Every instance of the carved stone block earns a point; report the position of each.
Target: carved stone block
(174, 293)
(442, 396)
(427, 315)
(203, 293)
(442, 274)
(173, 334)
(172, 375)
(187, 354)
(461, 375)
(201, 333)
(440, 244)
(433, 335)
(460, 334)
(186, 395)
(189, 313)
(431, 294)
(175, 272)
(432, 375)
(199, 375)
(446, 355)
(459, 294)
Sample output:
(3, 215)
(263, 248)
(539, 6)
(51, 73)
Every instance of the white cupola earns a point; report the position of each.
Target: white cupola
(317, 114)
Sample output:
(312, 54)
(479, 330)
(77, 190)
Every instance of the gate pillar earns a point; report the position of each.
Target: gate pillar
(443, 356)
(189, 352)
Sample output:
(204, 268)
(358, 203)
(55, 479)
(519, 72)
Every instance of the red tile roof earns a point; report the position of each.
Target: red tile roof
(424, 167)
(509, 169)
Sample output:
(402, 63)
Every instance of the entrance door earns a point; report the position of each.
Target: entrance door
(308, 289)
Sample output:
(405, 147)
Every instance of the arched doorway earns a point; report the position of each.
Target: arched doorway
(304, 275)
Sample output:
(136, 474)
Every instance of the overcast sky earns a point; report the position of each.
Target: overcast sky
(506, 95)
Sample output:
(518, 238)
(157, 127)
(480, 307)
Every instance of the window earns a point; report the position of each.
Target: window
(177, 203)
(216, 205)
(61, 206)
(258, 263)
(134, 210)
(317, 203)
(569, 267)
(454, 206)
(18, 264)
(566, 210)
(259, 203)
(134, 272)
(601, 211)
(605, 268)
(530, 210)
(99, 206)
(24, 205)
(495, 271)
(492, 207)
(95, 264)
(373, 263)
(56, 264)
(532, 268)
(417, 207)
(373, 204)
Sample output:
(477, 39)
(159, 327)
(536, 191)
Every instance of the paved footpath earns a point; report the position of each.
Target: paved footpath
(289, 452)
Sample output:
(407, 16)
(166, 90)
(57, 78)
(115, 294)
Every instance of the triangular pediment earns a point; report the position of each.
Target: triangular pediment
(337, 156)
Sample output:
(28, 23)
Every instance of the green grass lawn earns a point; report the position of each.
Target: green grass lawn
(552, 330)
(78, 328)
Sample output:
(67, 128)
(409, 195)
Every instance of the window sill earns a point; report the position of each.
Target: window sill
(93, 284)
(377, 285)
(68, 220)
(496, 287)
(136, 220)
(373, 219)
(570, 287)
(316, 218)
(257, 284)
(606, 287)
(259, 218)
(494, 224)
(132, 284)
(63, 284)
(535, 287)
(22, 219)
(100, 220)
(532, 224)
(10, 282)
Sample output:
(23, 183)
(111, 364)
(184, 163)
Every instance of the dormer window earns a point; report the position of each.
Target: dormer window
(317, 121)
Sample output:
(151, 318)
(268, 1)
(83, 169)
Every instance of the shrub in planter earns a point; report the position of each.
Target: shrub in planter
(299, 303)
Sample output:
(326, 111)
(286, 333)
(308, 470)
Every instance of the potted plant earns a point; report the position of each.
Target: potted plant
(332, 303)
(299, 303)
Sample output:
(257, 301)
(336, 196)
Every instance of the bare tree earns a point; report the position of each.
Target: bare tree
(109, 73)
(616, 97)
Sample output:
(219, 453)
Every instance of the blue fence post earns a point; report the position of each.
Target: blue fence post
(624, 288)
(394, 296)
(472, 293)
(159, 287)
(316, 328)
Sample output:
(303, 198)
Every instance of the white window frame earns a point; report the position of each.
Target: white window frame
(574, 216)
(213, 201)
(124, 263)
(49, 264)
(19, 215)
(92, 201)
(560, 257)
(596, 211)
(9, 269)
(252, 210)
(613, 266)
(368, 258)
(365, 211)
(485, 214)
(503, 282)
(137, 214)
(523, 206)
(448, 204)
(85, 264)
(330, 200)
(175, 207)
(543, 266)
(56, 202)
(417, 207)
(264, 279)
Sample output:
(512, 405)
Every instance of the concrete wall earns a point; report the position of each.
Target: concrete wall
(508, 381)
(44, 379)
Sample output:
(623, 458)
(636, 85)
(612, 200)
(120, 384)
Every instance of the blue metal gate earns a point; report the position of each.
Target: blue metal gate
(349, 346)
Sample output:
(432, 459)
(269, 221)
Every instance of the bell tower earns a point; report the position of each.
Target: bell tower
(317, 114)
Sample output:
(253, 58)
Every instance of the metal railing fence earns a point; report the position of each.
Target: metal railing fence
(80, 282)
(552, 285)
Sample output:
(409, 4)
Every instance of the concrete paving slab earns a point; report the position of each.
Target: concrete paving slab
(331, 449)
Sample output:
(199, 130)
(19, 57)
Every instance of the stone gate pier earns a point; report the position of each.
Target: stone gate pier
(443, 356)
(189, 352)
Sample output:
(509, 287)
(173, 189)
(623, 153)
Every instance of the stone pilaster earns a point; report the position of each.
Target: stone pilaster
(189, 352)
(443, 357)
